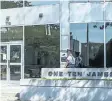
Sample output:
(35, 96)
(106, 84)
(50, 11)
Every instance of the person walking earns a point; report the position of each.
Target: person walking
(70, 62)
(78, 60)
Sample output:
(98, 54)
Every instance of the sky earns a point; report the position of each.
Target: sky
(95, 34)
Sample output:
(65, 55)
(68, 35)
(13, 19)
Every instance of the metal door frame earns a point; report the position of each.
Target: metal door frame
(8, 44)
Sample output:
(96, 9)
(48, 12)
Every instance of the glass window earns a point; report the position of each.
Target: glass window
(3, 54)
(38, 3)
(63, 55)
(15, 53)
(42, 48)
(3, 72)
(15, 72)
(96, 44)
(87, 44)
(64, 42)
(11, 34)
(109, 44)
(78, 41)
(5, 4)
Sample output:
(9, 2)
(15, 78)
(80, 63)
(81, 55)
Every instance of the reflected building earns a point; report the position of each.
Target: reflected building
(93, 51)
(74, 44)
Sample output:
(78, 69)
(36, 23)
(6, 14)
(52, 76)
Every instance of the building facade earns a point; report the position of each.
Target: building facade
(36, 35)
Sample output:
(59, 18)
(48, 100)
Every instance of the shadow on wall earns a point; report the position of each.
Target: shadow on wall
(99, 59)
(65, 90)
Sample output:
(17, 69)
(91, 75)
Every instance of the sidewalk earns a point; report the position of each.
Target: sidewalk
(8, 91)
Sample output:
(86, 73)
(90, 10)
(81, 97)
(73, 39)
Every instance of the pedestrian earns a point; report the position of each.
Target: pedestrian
(70, 61)
(78, 60)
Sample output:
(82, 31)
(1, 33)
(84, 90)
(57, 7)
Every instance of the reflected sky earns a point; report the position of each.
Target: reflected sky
(79, 32)
(96, 32)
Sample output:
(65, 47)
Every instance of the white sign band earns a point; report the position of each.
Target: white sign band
(76, 73)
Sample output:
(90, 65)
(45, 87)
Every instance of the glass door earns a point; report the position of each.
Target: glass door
(15, 61)
(11, 61)
(3, 62)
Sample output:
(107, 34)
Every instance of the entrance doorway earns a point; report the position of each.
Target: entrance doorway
(11, 60)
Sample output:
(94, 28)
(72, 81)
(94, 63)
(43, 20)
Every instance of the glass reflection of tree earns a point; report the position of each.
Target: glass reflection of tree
(45, 42)
(14, 4)
(11, 34)
(99, 58)
(15, 53)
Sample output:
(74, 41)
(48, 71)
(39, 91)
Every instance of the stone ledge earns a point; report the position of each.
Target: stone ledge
(37, 82)
(66, 83)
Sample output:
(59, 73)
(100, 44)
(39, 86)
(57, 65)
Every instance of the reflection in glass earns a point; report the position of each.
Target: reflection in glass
(3, 72)
(15, 53)
(87, 41)
(42, 48)
(78, 40)
(3, 54)
(15, 72)
(64, 42)
(96, 44)
(109, 44)
(11, 34)
(5, 4)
